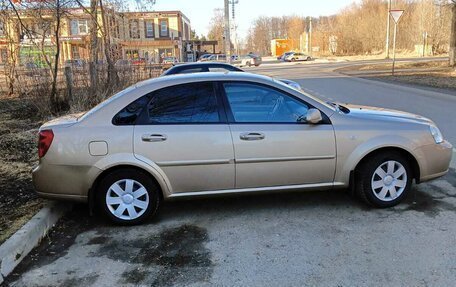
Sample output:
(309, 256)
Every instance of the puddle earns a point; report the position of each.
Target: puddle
(179, 253)
(88, 280)
(426, 203)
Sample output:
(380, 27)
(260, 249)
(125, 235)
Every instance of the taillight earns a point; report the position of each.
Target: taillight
(44, 142)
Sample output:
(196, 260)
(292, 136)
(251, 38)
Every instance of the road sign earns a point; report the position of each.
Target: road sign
(396, 15)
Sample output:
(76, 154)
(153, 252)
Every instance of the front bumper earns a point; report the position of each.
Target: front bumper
(434, 160)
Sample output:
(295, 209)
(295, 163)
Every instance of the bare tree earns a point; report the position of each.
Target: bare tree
(37, 32)
(216, 25)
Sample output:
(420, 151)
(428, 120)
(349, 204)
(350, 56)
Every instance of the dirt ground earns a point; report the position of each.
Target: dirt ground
(18, 141)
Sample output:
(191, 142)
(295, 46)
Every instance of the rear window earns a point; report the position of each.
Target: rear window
(187, 103)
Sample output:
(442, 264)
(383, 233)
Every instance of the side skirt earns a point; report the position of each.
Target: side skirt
(300, 187)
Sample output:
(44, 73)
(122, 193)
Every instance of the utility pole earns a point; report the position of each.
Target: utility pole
(453, 35)
(387, 47)
(310, 36)
(227, 32)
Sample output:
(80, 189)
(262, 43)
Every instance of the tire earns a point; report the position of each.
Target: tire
(119, 188)
(308, 59)
(377, 186)
(249, 64)
(293, 59)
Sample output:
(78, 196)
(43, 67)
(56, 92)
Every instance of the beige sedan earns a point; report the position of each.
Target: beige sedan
(225, 133)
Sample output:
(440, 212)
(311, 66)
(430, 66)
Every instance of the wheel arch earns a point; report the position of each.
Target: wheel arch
(408, 155)
(92, 190)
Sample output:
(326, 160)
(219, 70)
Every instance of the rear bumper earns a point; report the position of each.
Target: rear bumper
(434, 160)
(64, 182)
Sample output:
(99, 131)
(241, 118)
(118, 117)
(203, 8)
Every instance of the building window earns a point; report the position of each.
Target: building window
(79, 27)
(3, 56)
(75, 52)
(186, 33)
(2, 29)
(164, 28)
(134, 29)
(149, 28)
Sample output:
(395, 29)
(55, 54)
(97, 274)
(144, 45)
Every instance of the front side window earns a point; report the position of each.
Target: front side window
(164, 28)
(188, 103)
(252, 103)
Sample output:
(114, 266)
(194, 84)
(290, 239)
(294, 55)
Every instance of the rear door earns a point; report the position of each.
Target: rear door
(184, 131)
(271, 147)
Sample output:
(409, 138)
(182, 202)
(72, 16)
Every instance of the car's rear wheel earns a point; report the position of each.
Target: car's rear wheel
(308, 59)
(128, 196)
(384, 179)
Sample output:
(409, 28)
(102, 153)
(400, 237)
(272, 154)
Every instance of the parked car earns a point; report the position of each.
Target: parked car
(251, 60)
(217, 58)
(204, 57)
(170, 60)
(75, 63)
(122, 63)
(296, 56)
(138, 61)
(188, 68)
(283, 56)
(214, 67)
(207, 134)
(34, 70)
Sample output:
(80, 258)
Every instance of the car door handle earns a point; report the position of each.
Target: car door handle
(252, 136)
(153, 138)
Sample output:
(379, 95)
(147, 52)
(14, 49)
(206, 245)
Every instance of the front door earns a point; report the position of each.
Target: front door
(184, 132)
(271, 147)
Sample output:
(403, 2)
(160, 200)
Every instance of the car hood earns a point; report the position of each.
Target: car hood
(65, 121)
(383, 113)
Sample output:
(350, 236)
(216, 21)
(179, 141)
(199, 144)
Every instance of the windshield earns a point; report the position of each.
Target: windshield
(320, 101)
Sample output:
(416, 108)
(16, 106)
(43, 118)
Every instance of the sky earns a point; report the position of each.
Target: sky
(200, 11)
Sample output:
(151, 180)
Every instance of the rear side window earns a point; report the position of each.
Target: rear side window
(129, 114)
(187, 103)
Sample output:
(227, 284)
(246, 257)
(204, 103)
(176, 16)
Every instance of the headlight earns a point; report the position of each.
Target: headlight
(435, 132)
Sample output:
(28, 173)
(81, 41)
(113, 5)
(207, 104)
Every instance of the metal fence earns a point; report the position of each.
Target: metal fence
(28, 79)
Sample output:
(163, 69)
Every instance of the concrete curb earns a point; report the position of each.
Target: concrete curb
(13, 250)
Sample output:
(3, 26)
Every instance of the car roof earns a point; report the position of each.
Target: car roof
(201, 77)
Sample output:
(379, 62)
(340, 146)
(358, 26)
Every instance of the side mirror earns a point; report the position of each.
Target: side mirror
(313, 116)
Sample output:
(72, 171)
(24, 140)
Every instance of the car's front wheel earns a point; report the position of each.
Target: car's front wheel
(128, 196)
(384, 179)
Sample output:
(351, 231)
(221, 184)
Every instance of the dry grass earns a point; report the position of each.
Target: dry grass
(399, 65)
(445, 79)
(434, 74)
(18, 202)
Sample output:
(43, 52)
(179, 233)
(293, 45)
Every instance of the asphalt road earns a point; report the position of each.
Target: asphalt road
(294, 239)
